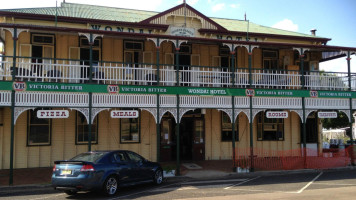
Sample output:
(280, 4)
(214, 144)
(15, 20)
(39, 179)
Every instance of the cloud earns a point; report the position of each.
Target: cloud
(235, 5)
(218, 7)
(286, 24)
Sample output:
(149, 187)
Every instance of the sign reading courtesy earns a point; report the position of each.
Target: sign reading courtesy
(124, 114)
(52, 114)
(277, 114)
(327, 114)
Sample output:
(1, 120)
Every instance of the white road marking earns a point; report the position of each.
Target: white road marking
(214, 181)
(242, 182)
(57, 195)
(307, 185)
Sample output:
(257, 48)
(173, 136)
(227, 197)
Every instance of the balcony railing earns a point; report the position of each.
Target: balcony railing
(78, 71)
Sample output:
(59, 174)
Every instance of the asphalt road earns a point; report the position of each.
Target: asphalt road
(333, 184)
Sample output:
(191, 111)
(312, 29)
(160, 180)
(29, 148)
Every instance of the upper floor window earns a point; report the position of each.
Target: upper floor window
(269, 128)
(43, 39)
(270, 59)
(38, 130)
(226, 128)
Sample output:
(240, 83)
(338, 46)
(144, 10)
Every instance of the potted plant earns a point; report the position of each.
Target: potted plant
(242, 165)
(169, 171)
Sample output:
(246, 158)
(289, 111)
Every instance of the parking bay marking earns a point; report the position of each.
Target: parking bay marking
(242, 182)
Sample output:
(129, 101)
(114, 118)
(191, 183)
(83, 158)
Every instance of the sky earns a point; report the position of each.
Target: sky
(335, 19)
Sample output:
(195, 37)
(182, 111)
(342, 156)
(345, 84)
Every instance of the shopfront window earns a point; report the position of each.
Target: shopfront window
(82, 135)
(39, 130)
(226, 128)
(130, 130)
(271, 129)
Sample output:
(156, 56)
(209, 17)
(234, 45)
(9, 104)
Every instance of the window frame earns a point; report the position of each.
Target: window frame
(261, 124)
(138, 132)
(228, 130)
(96, 120)
(28, 143)
(270, 60)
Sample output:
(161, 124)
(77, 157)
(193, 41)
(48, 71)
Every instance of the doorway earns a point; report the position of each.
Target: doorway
(192, 137)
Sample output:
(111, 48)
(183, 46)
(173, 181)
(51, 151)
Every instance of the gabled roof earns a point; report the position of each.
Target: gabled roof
(188, 7)
(140, 17)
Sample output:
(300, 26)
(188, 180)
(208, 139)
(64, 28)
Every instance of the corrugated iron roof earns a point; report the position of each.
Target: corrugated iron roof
(131, 15)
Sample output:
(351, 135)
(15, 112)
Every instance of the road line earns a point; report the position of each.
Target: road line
(242, 182)
(214, 181)
(57, 195)
(151, 189)
(311, 182)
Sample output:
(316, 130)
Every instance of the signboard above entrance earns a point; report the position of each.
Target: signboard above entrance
(327, 114)
(47, 114)
(277, 114)
(124, 114)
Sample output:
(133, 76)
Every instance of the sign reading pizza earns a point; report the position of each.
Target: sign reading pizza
(327, 114)
(52, 114)
(124, 114)
(277, 114)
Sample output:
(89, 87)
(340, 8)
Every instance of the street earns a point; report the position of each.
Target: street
(333, 184)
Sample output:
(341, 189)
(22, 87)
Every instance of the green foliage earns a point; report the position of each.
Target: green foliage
(340, 122)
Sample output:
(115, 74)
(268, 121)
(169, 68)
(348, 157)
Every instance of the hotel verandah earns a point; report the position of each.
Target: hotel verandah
(186, 74)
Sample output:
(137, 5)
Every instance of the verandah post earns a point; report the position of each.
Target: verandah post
(304, 135)
(233, 134)
(178, 138)
(11, 175)
(89, 122)
(91, 43)
(158, 120)
(350, 89)
(251, 116)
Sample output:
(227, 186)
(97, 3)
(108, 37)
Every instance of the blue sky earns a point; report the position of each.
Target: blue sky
(335, 19)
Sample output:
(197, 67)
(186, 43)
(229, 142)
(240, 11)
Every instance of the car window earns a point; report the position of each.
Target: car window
(134, 157)
(118, 157)
(89, 157)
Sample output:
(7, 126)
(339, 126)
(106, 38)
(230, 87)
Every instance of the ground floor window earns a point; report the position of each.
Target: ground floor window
(269, 128)
(130, 130)
(38, 130)
(226, 128)
(82, 133)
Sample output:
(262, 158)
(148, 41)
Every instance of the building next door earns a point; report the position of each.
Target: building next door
(192, 140)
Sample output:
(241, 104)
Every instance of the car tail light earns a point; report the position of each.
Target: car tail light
(54, 168)
(87, 168)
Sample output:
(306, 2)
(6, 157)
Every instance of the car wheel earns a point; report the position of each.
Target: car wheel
(110, 186)
(158, 178)
(70, 192)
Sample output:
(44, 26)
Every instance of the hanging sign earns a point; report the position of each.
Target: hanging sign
(124, 114)
(46, 114)
(327, 114)
(277, 114)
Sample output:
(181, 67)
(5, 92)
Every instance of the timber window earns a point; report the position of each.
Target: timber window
(82, 132)
(269, 129)
(38, 130)
(270, 59)
(130, 130)
(226, 128)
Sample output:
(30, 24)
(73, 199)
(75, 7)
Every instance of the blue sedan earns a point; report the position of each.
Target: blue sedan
(105, 171)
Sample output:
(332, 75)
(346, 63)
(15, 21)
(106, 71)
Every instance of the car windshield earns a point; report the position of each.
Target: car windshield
(89, 157)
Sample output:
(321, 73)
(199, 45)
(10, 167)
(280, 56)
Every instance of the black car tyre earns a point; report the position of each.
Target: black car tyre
(110, 186)
(71, 192)
(158, 177)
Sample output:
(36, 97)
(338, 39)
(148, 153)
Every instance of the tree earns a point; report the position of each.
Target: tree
(340, 122)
